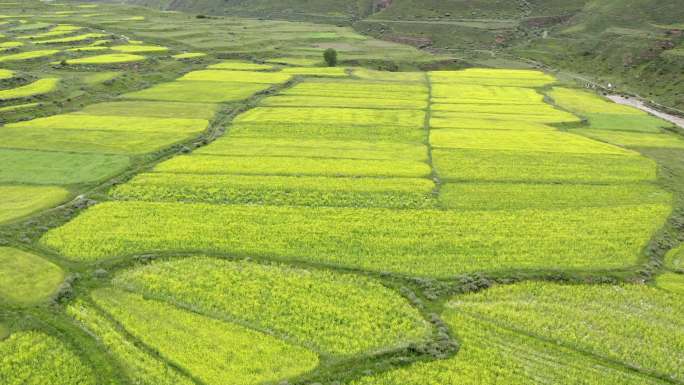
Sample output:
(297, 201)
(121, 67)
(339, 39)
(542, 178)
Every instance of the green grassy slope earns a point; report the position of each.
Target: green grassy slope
(636, 45)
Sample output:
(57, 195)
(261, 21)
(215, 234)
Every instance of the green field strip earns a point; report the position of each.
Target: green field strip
(521, 166)
(525, 141)
(346, 102)
(279, 190)
(493, 77)
(340, 116)
(411, 242)
(139, 365)
(582, 102)
(490, 354)
(115, 123)
(515, 196)
(239, 65)
(135, 48)
(487, 124)
(538, 109)
(19, 107)
(176, 110)
(317, 71)
(90, 141)
(189, 55)
(358, 89)
(72, 39)
(675, 259)
(671, 282)
(35, 358)
(8, 45)
(59, 30)
(335, 314)
(26, 278)
(29, 55)
(401, 77)
(557, 117)
(637, 123)
(637, 326)
(198, 92)
(634, 139)
(6, 74)
(236, 77)
(314, 148)
(39, 87)
(17, 201)
(215, 352)
(264, 165)
(113, 58)
(61, 168)
(481, 94)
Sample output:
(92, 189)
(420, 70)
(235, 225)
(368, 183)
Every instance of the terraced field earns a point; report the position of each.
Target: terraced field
(191, 200)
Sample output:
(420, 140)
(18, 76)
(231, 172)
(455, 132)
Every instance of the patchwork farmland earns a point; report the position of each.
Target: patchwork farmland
(202, 200)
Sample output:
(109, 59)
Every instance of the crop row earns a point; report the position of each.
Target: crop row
(26, 278)
(214, 351)
(35, 358)
(414, 242)
(339, 314)
(636, 325)
(279, 190)
(39, 87)
(140, 366)
(492, 354)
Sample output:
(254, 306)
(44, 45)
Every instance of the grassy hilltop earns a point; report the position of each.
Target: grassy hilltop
(636, 45)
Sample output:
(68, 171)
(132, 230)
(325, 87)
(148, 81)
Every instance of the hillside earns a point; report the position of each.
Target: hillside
(635, 45)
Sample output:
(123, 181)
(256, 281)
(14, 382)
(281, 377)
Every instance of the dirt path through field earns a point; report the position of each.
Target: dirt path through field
(642, 106)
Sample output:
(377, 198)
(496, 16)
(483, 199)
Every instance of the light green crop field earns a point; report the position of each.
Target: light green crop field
(139, 365)
(35, 358)
(528, 141)
(338, 314)
(587, 102)
(114, 123)
(675, 259)
(21, 200)
(240, 65)
(6, 74)
(176, 110)
(39, 87)
(359, 89)
(279, 190)
(315, 148)
(28, 55)
(73, 39)
(330, 131)
(635, 325)
(342, 116)
(415, 242)
(190, 195)
(671, 282)
(198, 92)
(347, 102)
(135, 48)
(254, 165)
(521, 166)
(111, 58)
(189, 55)
(486, 124)
(236, 77)
(493, 77)
(634, 139)
(26, 278)
(492, 354)
(214, 351)
(317, 71)
(630, 122)
(38, 167)
(514, 196)
(90, 141)
(531, 116)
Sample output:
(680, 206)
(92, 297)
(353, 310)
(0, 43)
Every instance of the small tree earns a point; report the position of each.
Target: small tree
(330, 56)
